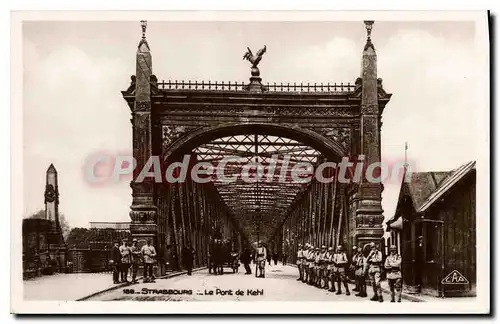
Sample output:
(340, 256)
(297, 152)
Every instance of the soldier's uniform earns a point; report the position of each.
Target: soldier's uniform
(135, 259)
(261, 260)
(300, 257)
(148, 253)
(317, 268)
(352, 267)
(330, 267)
(311, 259)
(324, 268)
(393, 266)
(374, 262)
(340, 262)
(125, 261)
(359, 273)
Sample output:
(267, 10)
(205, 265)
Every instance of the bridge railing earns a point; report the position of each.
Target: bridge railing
(269, 87)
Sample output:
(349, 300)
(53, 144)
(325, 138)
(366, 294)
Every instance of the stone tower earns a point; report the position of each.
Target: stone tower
(369, 214)
(52, 196)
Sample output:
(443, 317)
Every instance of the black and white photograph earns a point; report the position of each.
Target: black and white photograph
(221, 162)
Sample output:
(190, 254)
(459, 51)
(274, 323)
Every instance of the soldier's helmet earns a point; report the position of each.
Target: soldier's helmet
(393, 248)
(323, 247)
(372, 245)
(330, 249)
(134, 240)
(354, 248)
(339, 248)
(300, 245)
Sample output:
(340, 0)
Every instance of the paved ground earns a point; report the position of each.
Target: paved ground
(65, 287)
(279, 285)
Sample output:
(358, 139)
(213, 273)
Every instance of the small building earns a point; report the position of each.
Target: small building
(434, 227)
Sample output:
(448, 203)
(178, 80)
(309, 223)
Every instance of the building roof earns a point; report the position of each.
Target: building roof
(448, 183)
(425, 188)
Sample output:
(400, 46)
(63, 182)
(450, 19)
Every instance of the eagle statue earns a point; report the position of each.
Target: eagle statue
(254, 59)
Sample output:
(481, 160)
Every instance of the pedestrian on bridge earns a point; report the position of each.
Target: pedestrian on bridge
(125, 261)
(245, 258)
(136, 260)
(148, 254)
(261, 260)
(115, 259)
(188, 258)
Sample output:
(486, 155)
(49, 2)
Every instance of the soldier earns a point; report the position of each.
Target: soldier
(323, 268)
(340, 263)
(374, 262)
(359, 273)
(331, 274)
(352, 267)
(148, 253)
(135, 259)
(312, 259)
(317, 268)
(393, 266)
(300, 256)
(261, 260)
(125, 261)
(305, 263)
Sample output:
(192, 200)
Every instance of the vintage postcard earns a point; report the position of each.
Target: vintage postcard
(263, 162)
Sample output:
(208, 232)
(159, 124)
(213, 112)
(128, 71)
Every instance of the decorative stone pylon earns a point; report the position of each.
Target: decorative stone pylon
(369, 214)
(56, 246)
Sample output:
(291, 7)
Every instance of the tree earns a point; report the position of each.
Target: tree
(65, 228)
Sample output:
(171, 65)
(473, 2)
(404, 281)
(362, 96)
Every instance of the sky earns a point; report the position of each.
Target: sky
(73, 73)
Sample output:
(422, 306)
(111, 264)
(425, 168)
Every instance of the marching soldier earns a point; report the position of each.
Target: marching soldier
(352, 267)
(340, 263)
(393, 266)
(331, 274)
(125, 261)
(300, 256)
(359, 272)
(374, 262)
(135, 258)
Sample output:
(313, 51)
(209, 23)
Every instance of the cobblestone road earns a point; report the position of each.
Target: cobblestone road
(280, 284)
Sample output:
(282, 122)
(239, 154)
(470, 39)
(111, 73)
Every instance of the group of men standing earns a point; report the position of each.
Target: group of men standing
(125, 257)
(323, 268)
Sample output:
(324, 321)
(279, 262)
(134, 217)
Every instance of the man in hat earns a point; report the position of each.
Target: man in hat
(312, 259)
(305, 263)
(352, 267)
(125, 261)
(115, 261)
(340, 263)
(359, 273)
(331, 274)
(393, 266)
(188, 258)
(317, 267)
(261, 260)
(323, 263)
(136, 260)
(374, 262)
(148, 253)
(300, 257)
